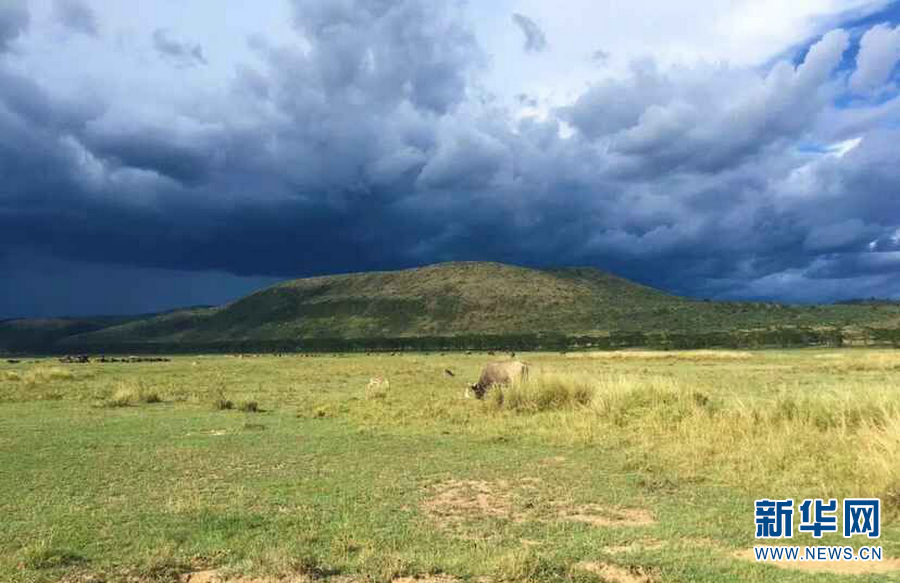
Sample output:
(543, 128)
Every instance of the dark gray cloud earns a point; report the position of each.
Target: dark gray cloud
(386, 51)
(14, 19)
(154, 150)
(527, 100)
(182, 54)
(77, 16)
(128, 290)
(535, 40)
(600, 57)
(367, 144)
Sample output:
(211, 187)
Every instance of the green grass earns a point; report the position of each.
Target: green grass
(328, 479)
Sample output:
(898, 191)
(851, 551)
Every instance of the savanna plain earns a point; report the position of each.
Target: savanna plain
(613, 466)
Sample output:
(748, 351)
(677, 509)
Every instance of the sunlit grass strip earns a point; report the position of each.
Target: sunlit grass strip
(843, 440)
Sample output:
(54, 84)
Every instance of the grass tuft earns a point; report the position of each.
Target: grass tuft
(526, 565)
(122, 397)
(127, 395)
(43, 375)
(544, 393)
(223, 404)
(150, 397)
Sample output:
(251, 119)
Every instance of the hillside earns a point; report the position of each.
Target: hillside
(36, 334)
(467, 298)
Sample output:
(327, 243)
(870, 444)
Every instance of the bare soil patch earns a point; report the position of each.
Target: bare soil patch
(215, 576)
(636, 546)
(616, 574)
(202, 577)
(554, 461)
(456, 501)
(426, 579)
(837, 567)
(599, 516)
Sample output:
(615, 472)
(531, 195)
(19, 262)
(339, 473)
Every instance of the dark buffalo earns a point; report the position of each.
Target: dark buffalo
(499, 373)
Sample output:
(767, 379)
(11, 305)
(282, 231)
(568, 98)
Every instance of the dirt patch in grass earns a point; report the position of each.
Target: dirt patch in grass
(600, 516)
(202, 577)
(616, 574)
(457, 501)
(553, 461)
(652, 544)
(215, 576)
(636, 546)
(837, 567)
(426, 579)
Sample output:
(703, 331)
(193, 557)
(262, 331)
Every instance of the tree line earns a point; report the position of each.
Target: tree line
(793, 337)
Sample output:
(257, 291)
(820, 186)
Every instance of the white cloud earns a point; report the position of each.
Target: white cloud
(879, 52)
(687, 33)
(843, 148)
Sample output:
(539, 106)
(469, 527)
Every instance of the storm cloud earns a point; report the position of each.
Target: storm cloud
(179, 53)
(77, 16)
(362, 137)
(535, 40)
(14, 19)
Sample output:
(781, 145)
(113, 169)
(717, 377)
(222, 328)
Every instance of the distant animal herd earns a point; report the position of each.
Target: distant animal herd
(85, 359)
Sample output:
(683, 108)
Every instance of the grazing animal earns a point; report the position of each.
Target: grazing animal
(499, 373)
(378, 383)
(377, 388)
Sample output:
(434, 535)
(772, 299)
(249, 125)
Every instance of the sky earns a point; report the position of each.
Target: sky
(170, 153)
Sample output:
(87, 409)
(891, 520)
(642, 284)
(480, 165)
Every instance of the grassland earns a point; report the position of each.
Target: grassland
(602, 466)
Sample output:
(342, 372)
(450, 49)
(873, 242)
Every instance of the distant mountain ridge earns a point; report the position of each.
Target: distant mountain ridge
(456, 299)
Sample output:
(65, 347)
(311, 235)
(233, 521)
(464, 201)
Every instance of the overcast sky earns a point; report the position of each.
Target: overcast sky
(168, 153)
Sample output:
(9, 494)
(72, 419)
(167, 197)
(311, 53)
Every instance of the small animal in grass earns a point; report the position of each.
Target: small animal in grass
(378, 382)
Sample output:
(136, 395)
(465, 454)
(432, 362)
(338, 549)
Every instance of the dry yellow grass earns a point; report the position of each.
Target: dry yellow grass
(664, 355)
(41, 375)
(126, 394)
(842, 439)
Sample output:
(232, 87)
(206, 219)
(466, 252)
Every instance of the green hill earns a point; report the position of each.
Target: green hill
(463, 299)
(37, 334)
